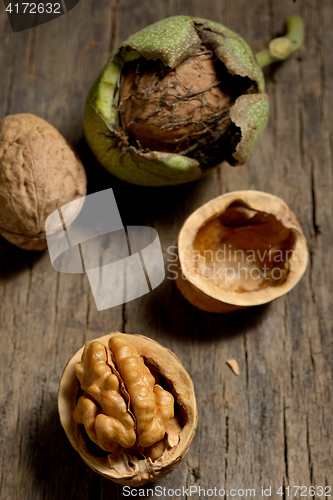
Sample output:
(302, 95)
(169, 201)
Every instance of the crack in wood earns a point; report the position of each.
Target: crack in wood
(10, 90)
(312, 255)
(114, 24)
(193, 471)
(31, 54)
(246, 363)
(309, 450)
(226, 407)
(316, 227)
(285, 443)
(322, 75)
(301, 124)
(86, 326)
(312, 360)
(56, 296)
(29, 285)
(124, 318)
(2, 471)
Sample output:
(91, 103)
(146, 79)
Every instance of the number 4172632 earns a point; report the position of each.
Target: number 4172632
(33, 8)
(304, 491)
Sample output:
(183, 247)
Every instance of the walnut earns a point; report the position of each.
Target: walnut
(175, 110)
(113, 425)
(239, 250)
(39, 172)
(133, 399)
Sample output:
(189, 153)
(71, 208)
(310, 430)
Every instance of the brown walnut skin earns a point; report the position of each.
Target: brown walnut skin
(163, 363)
(248, 221)
(177, 109)
(39, 173)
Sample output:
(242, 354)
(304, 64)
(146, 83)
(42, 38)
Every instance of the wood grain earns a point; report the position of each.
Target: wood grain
(273, 424)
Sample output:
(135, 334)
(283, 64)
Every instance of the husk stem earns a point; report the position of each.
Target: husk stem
(282, 47)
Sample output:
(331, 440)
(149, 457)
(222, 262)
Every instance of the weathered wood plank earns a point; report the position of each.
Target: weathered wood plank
(271, 425)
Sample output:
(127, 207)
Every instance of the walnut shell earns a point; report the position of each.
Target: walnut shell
(39, 172)
(133, 470)
(177, 98)
(239, 250)
(175, 110)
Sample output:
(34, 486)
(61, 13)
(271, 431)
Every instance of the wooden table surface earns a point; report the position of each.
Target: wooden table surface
(273, 424)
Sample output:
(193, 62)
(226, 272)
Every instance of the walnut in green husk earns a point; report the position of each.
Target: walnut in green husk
(178, 98)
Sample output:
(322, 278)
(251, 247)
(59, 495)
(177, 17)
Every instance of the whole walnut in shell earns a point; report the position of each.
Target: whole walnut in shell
(128, 407)
(39, 172)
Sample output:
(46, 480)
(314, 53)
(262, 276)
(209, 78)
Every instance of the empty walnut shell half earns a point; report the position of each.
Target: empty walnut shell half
(128, 407)
(239, 250)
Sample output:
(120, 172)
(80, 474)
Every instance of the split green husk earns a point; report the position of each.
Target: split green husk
(178, 98)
